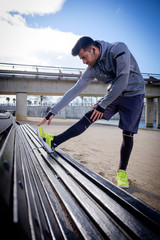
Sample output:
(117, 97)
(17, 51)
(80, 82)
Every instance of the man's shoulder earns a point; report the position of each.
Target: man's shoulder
(118, 45)
(88, 73)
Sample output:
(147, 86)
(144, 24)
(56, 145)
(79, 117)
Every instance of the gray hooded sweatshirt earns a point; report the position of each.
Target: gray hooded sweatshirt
(116, 67)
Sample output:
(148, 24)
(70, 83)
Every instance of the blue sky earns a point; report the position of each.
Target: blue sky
(46, 34)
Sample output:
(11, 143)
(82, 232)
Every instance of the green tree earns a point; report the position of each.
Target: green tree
(8, 100)
(14, 100)
(41, 98)
(29, 102)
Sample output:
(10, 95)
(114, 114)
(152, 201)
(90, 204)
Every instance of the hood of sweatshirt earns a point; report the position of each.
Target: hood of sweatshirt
(103, 47)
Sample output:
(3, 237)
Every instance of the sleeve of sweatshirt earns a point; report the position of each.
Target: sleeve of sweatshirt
(121, 56)
(81, 84)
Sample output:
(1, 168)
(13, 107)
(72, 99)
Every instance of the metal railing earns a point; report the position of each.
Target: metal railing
(11, 69)
(38, 70)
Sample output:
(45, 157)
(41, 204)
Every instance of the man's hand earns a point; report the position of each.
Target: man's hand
(98, 112)
(96, 115)
(48, 118)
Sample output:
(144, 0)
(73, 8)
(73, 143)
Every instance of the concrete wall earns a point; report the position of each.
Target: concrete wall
(68, 112)
(74, 112)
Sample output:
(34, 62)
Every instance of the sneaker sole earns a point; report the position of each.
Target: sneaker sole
(123, 186)
(45, 145)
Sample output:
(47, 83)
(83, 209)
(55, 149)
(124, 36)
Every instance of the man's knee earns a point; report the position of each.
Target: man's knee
(88, 116)
(127, 133)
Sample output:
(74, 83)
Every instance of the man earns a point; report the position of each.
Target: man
(113, 64)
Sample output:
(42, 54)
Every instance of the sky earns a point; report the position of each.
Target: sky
(42, 32)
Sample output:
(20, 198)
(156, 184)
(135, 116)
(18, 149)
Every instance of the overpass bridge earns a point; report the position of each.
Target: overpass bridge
(22, 80)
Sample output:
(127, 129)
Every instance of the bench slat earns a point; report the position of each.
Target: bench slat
(53, 196)
(129, 220)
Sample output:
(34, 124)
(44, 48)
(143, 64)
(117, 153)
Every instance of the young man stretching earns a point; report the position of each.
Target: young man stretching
(113, 64)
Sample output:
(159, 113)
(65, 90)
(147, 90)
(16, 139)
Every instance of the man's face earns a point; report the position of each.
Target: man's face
(88, 57)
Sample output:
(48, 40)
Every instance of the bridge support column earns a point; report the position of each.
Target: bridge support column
(158, 112)
(149, 112)
(21, 106)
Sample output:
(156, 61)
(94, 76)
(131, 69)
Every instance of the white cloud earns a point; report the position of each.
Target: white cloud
(60, 57)
(32, 6)
(44, 46)
(12, 20)
(19, 43)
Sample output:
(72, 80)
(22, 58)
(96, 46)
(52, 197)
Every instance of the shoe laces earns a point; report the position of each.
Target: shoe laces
(122, 174)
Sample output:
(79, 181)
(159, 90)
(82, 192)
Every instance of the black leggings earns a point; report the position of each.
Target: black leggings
(75, 130)
(126, 149)
(83, 124)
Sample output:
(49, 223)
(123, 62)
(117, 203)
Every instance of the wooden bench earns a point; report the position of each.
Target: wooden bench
(56, 197)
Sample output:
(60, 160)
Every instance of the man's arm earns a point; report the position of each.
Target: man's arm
(81, 84)
(71, 94)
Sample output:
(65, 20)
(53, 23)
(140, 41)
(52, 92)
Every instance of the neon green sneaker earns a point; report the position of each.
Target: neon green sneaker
(46, 139)
(122, 180)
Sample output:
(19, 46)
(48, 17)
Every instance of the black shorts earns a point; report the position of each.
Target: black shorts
(130, 111)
